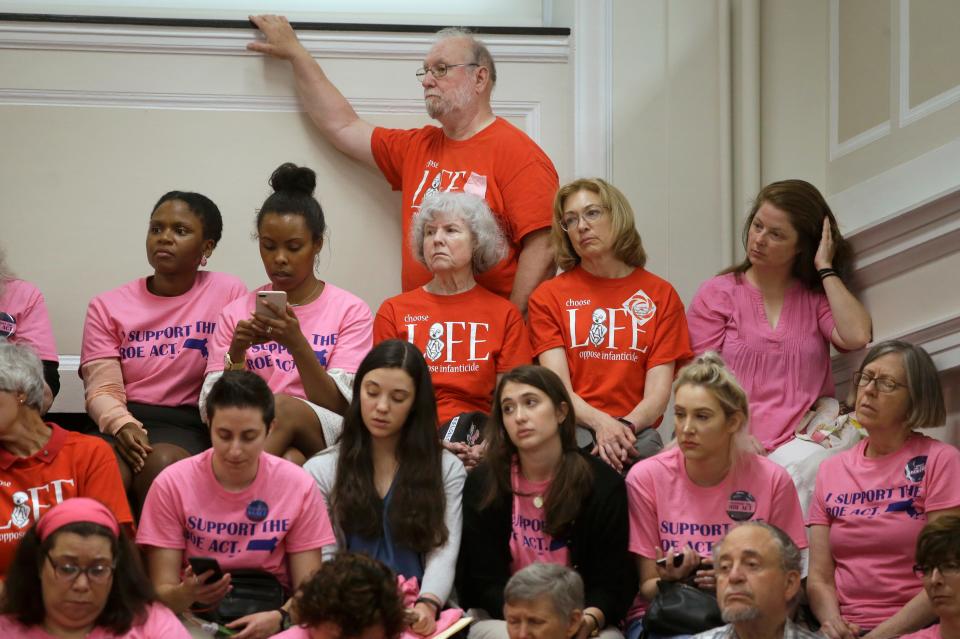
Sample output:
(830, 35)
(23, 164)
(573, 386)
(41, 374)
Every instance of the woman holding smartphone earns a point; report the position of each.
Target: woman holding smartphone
(308, 348)
(145, 343)
(394, 493)
(236, 505)
(685, 499)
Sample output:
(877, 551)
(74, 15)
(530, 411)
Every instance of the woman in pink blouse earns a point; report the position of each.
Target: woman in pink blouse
(774, 316)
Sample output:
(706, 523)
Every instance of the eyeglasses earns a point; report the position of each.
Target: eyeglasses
(884, 384)
(440, 70)
(96, 573)
(571, 219)
(948, 569)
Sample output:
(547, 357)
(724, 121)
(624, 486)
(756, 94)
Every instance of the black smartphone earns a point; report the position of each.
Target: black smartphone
(201, 565)
(677, 560)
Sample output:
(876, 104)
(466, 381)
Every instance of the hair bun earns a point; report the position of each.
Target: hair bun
(292, 178)
(711, 358)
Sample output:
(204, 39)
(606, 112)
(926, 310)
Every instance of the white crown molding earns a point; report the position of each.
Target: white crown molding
(908, 240)
(593, 89)
(321, 44)
(898, 190)
(839, 149)
(527, 111)
(941, 339)
(908, 114)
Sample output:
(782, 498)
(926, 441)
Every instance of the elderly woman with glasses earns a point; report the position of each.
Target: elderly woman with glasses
(76, 574)
(42, 464)
(872, 501)
(612, 331)
(468, 335)
(938, 565)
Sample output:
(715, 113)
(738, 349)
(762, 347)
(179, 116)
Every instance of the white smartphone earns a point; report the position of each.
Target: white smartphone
(277, 298)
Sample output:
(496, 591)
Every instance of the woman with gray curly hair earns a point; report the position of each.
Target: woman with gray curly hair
(42, 464)
(468, 335)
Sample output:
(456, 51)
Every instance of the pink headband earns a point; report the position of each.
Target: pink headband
(74, 510)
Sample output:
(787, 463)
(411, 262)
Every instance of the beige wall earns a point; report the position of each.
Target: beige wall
(669, 103)
(793, 90)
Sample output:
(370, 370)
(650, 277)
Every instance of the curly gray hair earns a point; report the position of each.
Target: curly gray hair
(21, 372)
(489, 243)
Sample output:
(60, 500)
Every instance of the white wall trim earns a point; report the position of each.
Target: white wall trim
(69, 364)
(321, 44)
(908, 240)
(593, 89)
(908, 114)
(899, 190)
(837, 148)
(940, 338)
(528, 112)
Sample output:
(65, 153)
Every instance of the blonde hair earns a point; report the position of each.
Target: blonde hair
(627, 247)
(710, 372)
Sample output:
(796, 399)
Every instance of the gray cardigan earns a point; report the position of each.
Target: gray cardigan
(440, 563)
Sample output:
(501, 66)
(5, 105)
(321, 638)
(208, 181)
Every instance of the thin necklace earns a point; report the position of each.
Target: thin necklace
(307, 298)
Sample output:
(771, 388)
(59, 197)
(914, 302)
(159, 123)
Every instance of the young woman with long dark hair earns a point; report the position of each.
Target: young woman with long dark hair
(393, 492)
(537, 498)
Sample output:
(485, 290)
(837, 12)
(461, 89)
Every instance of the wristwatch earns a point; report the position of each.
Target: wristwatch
(230, 365)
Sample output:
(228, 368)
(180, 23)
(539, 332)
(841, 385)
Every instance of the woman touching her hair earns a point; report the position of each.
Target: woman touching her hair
(774, 316)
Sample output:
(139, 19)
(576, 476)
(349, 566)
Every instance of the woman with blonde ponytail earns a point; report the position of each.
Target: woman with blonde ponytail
(685, 499)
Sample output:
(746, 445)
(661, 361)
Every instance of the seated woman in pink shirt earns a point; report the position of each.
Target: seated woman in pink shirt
(76, 574)
(145, 343)
(238, 505)
(774, 316)
(685, 499)
(309, 350)
(24, 320)
(938, 564)
(871, 501)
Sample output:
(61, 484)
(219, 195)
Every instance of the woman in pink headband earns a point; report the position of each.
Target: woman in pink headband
(76, 573)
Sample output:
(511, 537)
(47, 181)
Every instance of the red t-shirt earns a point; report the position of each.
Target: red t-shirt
(466, 339)
(613, 331)
(500, 164)
(70, 465)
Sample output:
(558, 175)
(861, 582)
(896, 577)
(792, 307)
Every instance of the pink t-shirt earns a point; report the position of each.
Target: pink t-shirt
(281, 512)
(162, 342)
(529, 542)
(338, 325)
(24, 318)
(931, 632)
(784, 370)
(669, 511)
(875, 508)
(160, 622)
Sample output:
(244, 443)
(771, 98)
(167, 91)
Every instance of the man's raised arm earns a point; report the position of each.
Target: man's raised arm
(326, 106)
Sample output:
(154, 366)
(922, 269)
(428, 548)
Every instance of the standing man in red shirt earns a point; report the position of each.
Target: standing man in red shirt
(474, 151)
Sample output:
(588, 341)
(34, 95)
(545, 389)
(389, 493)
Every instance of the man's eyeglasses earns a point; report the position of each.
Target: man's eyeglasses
(571, 219)
(67, 571)
(948, 569)
(440, 70)
(884, 384)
